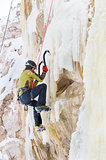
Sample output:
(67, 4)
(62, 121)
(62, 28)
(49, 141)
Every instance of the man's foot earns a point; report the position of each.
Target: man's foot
(42, 108)
(40, 128)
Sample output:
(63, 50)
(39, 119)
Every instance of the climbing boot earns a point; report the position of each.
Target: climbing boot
(42, 108)
(40, 128)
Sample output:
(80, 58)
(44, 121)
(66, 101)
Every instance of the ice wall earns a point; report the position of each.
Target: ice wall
(29, 12)
(66, 38)
(89, 140)
(67, 31)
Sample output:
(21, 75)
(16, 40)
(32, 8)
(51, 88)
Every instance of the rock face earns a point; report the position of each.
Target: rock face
(60, 129)
(12, 132)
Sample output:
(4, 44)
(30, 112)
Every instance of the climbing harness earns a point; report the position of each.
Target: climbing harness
(20, 90)
(6, 26)
(18, 97)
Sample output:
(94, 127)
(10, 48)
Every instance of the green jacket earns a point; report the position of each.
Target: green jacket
(27, 77)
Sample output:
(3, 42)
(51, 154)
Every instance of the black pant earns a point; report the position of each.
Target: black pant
(39, 91)
(37, 116)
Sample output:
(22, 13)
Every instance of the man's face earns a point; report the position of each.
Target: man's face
(33, 69)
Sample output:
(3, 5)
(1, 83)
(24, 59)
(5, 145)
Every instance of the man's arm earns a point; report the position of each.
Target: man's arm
(41, 77)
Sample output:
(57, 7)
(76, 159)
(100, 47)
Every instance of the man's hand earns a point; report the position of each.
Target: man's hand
(45, 68)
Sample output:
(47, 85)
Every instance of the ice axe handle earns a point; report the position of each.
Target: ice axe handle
(39, 67)
(44, 61)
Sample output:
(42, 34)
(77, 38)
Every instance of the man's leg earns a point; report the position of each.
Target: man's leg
(38, 121)
(40, 91)
(37, 118)
(25, 98)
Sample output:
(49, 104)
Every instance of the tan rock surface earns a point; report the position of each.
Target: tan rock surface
(27, 7)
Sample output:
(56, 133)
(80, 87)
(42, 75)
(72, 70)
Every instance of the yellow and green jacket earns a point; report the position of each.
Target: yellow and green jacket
(27, 77)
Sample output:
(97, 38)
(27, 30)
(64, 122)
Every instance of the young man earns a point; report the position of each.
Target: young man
(27, 92)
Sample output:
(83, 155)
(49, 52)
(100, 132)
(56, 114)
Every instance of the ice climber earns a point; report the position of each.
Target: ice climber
(27, 93)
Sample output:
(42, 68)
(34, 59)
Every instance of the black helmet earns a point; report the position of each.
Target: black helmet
(31, 63)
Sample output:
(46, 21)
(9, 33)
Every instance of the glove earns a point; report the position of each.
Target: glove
(45, 68)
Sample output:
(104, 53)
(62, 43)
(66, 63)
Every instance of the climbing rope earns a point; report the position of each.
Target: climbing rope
(45, 33)
(6, 26)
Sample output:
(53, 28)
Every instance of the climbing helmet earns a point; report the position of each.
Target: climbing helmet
(31, 63)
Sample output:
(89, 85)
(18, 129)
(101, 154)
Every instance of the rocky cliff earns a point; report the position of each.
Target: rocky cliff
(12, 130)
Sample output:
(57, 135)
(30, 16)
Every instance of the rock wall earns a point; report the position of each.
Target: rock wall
(12, 129)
